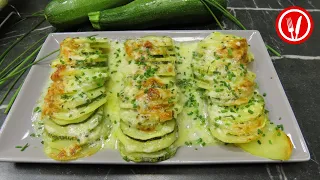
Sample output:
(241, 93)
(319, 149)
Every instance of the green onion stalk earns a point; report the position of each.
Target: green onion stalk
(17, 41)
(8, 68)
(16, 71)
(21, 71)
(10, 88)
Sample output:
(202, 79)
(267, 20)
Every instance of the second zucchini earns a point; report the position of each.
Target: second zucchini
(141, 14)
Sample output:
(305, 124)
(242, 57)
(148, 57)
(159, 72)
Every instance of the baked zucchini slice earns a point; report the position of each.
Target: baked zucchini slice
(238, 124)
(75, 130)
(240, 114)
(71, 101)
(72, 152)
(149, 146)
(81, 111)
(63, 122)
(159, 130)
(223, 46)
(239, 133)
(78, 52)
(102, 130)
(153, 157)
(226, 83)
(149, 101)
(219, 67)
(64, 148)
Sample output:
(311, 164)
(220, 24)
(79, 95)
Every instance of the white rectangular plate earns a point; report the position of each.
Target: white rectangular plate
(18, 126)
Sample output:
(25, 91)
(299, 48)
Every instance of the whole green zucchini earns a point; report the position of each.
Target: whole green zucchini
(141, 14)
(68, 13)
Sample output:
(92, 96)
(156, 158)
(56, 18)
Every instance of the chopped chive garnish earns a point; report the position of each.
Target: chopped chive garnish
(25, 147)
(188, 143)
(199, 141)
(229, 51)
(270, 142)
(264, 94)
(259, 142)
(37, 109)
(231, 116)
(18, 146)
(279, 133)
(280, 127)
(250, 111)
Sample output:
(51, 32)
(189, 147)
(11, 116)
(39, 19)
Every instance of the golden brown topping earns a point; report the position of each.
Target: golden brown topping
(148, 44)
(153, 82)
(51, 100)
(57, 74)
(234, 48)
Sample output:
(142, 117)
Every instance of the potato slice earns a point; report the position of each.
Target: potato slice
(275, 144)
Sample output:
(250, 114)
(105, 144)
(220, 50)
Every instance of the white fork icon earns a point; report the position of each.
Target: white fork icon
(290, 27)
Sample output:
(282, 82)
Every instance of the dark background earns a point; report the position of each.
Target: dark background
(300, 77)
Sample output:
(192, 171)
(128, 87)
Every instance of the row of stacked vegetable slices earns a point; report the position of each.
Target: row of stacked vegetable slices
(75, 124)
(149, 101)
(236, 110)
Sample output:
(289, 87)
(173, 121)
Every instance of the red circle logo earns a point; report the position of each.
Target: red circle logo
(294, 25)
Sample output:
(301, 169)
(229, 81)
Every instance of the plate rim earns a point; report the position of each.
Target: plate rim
(265, 53)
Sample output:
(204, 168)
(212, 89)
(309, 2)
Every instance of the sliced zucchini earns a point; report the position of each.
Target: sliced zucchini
(63, 122)
(144, 121)
(245, 135)
(83, 71)
(274, 144)
(151, 48)
(153, 157)
(159, 130)
(77, 113)
(82, 51)
(220, 46)
(159, 59)
(227, 83)
(164, 69)
(159, 40)
(219, 66)
(74, 130)
(132, 145)
(237, 114)
(80, 98)
(58, 142)
(84, 83)
(72, 152)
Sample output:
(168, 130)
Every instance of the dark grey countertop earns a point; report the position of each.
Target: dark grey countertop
(298, 70)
